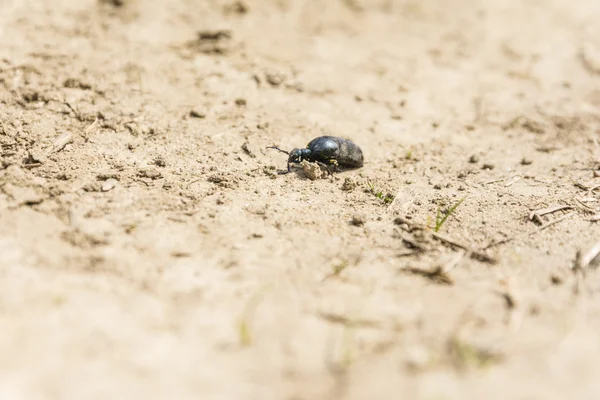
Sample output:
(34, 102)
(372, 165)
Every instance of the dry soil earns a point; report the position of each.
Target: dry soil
(149, 249)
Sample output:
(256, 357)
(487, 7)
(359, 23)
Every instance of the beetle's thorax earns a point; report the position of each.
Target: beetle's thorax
(297, 155)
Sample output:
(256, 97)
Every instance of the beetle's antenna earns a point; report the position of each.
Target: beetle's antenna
(277, 148)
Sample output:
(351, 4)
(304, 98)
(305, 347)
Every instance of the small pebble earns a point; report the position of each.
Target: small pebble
(349, 184)
(197, 114)
(149, 173)
(488, 166)
(556, 280)
(526, 161)
(358, 219)
(160, 162)
(474, 159)
(275, 79)
(109, 184)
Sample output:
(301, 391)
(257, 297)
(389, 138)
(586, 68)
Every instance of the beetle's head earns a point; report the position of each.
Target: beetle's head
(297, 155)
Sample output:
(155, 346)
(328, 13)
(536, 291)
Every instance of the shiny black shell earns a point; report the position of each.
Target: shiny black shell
(328, 148)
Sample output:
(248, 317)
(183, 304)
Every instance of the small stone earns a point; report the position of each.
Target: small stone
(237, 7)
(197, 114)
(23, 195)
(358, 219)
(149, 173)
(474, 159)
(116, 3)
(109, 184)
(92, 187)
(556, 280)
(270, 171)
(590, 56)
(274, 78)
(248, 150)
(488, 166)
(106, 175)
(349, 184)
(240, 102)
(160, 162)
(262, 125)
(526, 161)
(36, 156)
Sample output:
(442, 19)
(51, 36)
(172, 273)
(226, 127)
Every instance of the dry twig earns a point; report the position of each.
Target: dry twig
(60, 142)
(533, 232)
(473, 253)
(537, 214)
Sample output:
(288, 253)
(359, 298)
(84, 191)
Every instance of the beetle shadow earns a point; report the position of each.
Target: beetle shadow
(299, 171)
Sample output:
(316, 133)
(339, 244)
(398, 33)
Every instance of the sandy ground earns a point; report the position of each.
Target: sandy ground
(149, 248)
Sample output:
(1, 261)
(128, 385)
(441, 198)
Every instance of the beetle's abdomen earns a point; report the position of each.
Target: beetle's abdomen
(344, 151)
(349, 153)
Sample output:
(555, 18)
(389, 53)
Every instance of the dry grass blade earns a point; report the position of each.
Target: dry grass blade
(594, 218)
(347, 321)
(587, 188)
(60, 142)
(477, 255)
(554, 221)
(535, 231)
(437, 274)
(513, 181)
(493, 181)
(538, 214)
(589, 258)
(92, 127)
(440, 273)
(584, 207)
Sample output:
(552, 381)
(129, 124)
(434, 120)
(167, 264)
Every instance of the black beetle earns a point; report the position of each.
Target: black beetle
(326, 150)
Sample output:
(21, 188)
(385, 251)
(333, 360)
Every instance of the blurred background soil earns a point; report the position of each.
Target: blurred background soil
(149, 249)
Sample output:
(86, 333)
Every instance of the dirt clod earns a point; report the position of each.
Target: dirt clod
(150, 173)
(312, 170)
(274, 78)
(214, 41)
(349, 184)
(108, 185)
(197, 114)
(358, 219)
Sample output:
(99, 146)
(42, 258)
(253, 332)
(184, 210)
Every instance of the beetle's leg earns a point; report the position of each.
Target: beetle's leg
(335, 165)
(322, 164)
